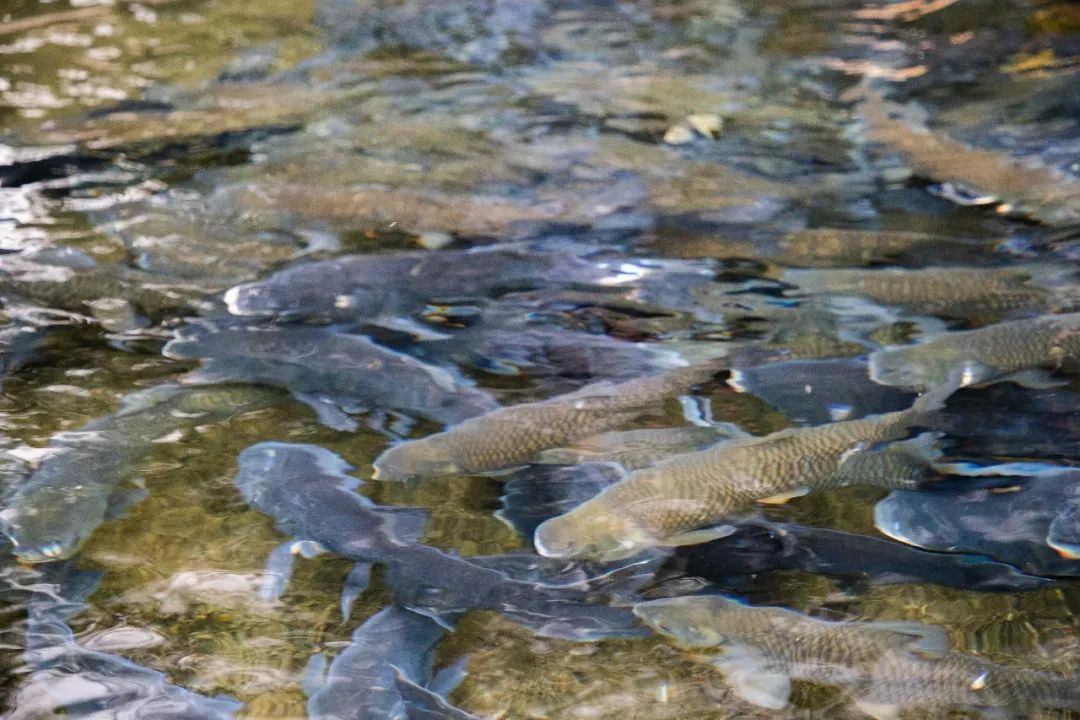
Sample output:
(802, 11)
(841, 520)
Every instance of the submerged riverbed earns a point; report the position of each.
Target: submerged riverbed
(313, 312)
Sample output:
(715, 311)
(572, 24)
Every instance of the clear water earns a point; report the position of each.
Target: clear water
(187, 146)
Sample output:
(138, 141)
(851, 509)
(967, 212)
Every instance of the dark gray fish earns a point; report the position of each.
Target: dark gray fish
(535, 493)
(443, 586)
(1013, 422)
(1008, 520)
(814, 392)
(379, 288)
(539, 352)
(760, 546)
(65, 679)
(18, 345)
(306, 490)
(333, 372)
(51, 512)
(361, 680)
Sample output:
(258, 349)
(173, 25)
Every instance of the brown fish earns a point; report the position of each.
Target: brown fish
(512, 435)
(669, 503)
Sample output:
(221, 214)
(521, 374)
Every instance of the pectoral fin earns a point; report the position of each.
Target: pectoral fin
(753, 677)
(327, 412)
(697, 537)
(278, 570)
(355, 584)
(783, 498)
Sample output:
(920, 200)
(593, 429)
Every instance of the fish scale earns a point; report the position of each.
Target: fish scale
(514, 434)
(659, 504)
(906, 680)
(932, 289)
(987, 354)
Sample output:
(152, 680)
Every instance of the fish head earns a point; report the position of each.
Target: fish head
(691, 621)
(418, 459)
(36, 539)
(591, 530)
(917, 368)
(259, 298)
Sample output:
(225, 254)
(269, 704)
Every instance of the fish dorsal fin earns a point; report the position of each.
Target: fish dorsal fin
(928, 640)
(753, 677)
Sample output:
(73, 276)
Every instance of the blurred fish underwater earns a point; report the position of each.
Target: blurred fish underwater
(548, 359)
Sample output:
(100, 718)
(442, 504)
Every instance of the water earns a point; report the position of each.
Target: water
(154, 155)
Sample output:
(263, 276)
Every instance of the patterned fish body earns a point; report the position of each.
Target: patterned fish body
(513, 434)
(954, 680)
(765, 647)
(668, 503)
(634, 449)
(1018, 350)
(950, 291)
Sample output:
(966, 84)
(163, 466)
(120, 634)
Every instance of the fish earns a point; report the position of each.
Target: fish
(1020, 351)
(306, 490)
(1014, 185)
(680, 501)
(1013, 422)
(309, 493)
(51, 512)
(361, 683)
(764, 648)
(949, 291)
(761, 546)
(331, 371)
(820, 247)
(514, 434)
(903, 680)
(381, 288)
(1008, 518)
(634, 449)
(63, 678)
(18, 345)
